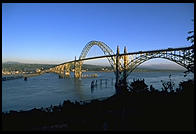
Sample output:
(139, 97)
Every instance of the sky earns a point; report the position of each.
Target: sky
(54, 33)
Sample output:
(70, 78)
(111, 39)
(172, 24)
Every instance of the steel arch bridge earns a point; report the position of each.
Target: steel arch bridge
(186, 62)
(123, 64)
(105, 48)
(181, 56)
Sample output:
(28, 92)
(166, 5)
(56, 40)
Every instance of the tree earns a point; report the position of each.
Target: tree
(168, 85)
(138, 86)
(191, 39)
(191, 36)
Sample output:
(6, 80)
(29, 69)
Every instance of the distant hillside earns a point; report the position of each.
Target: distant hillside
(13, 66)
(17, 66)
(95, 67)
(156, 67)
(12, 62)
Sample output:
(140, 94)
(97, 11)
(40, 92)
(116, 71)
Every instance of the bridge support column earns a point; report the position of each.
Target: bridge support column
(57, 69)
(61, 71)
(121, 73)
(77, 69)
(67, 70)
(117, 84)
(126, 60)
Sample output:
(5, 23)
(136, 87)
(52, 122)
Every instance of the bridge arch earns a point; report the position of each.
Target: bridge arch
(105, 48)
(182, 60)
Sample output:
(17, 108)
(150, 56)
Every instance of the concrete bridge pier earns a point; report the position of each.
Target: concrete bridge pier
(62, 70)
(117, 71)
(121, 72)
(67, 70)
(126, 61)
(77, 69)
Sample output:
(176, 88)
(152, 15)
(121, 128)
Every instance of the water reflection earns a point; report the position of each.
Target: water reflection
(93, 85)
(77, 84)
(92, 89)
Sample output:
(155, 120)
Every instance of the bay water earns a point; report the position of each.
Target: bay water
(47, 89)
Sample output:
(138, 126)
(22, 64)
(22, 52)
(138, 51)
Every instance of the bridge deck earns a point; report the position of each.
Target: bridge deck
(140, 52)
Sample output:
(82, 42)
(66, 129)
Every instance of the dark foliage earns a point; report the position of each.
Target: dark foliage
(138, 86)
(191, 39)
(139, 110)
(168, 86)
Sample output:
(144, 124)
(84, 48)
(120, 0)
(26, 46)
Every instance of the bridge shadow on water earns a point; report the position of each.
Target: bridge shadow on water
(136, 108)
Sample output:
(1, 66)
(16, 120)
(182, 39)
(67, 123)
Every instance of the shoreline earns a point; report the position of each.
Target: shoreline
(17, 76)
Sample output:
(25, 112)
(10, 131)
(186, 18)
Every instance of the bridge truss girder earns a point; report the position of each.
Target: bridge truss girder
(183, 58)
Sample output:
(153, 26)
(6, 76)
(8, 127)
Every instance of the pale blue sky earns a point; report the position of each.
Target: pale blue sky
(56, 33)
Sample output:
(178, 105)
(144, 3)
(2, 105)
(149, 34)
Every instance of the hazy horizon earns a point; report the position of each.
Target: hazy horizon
(169, 65)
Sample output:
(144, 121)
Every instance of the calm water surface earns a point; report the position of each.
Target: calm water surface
(48, 89)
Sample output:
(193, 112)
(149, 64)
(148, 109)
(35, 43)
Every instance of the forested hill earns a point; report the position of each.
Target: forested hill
(16, 66)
